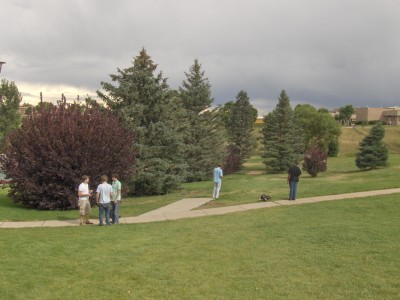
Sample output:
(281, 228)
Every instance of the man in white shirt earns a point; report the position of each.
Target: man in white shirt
(84, 204)
(104, 194)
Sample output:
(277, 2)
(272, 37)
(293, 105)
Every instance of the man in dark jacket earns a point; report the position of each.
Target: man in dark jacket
(294, 173)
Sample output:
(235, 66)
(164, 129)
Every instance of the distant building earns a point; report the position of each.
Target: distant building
(22, 110)
(260, 120)
(389, 115)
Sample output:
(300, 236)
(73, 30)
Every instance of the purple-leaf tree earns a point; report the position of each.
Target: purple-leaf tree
(54, 147)
(315, 161)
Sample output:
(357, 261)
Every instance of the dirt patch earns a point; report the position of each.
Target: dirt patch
(255, 173)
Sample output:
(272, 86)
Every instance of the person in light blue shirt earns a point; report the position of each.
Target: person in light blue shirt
(115, 202)
(217, 174)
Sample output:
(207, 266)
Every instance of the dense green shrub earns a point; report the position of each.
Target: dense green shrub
(47, 156)
(233, 160)
(333, 148)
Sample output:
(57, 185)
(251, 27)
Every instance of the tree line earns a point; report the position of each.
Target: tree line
(174, 137)
(155, 137)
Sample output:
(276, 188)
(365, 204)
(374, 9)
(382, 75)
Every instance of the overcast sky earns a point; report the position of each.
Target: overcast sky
(328, 53)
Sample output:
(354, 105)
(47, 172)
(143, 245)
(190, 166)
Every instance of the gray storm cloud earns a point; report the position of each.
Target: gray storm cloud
(327, 53)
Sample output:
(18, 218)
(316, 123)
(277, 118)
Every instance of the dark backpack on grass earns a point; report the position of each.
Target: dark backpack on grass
(265, 197)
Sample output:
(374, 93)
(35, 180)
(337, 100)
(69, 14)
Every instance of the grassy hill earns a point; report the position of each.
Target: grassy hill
(350, 139)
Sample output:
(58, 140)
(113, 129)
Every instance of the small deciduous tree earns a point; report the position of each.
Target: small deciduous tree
(373, 153)
(345, 113)
(315, 161)
(10, 99)
(47, 156)
(319, 127)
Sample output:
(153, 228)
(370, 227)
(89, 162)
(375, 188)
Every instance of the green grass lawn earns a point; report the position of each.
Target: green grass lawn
(246, 186)
(342, 176)
(346, 249)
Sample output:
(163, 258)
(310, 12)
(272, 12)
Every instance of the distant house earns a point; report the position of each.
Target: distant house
(389, 115)
(22, 110)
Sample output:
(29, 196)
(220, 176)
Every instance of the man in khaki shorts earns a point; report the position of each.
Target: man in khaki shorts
(84, 203)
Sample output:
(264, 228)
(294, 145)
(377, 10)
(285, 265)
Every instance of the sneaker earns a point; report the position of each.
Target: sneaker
(88, 222)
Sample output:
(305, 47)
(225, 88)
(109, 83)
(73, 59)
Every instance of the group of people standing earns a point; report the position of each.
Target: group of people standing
(108, 198)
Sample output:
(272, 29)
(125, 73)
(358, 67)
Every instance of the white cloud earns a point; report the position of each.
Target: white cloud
(52, 93)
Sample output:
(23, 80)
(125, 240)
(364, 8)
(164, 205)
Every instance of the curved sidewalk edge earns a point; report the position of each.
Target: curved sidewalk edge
(184, 209)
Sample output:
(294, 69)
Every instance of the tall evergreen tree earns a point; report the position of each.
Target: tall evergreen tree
(10, 99)
(143, 99)
(283, 136)
(204, 142)
(241, 124)
(372, 152)
(196, 89)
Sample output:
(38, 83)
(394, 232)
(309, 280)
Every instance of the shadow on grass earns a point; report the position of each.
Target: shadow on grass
(18, 211)
(354, 171)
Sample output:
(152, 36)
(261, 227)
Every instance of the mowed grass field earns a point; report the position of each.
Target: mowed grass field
(345, 249)
(247, 185)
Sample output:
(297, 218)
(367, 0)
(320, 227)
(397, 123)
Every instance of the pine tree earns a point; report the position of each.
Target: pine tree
(372, 152)
(241, 124)
(196, 90)
(204, 142)
(283, 137)
(143, 99)
(10, 99)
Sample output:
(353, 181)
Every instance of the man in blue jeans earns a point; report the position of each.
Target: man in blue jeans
(294, 173)
(104, 194)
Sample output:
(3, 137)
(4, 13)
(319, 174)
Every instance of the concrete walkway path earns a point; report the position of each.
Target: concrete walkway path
(184, 209)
